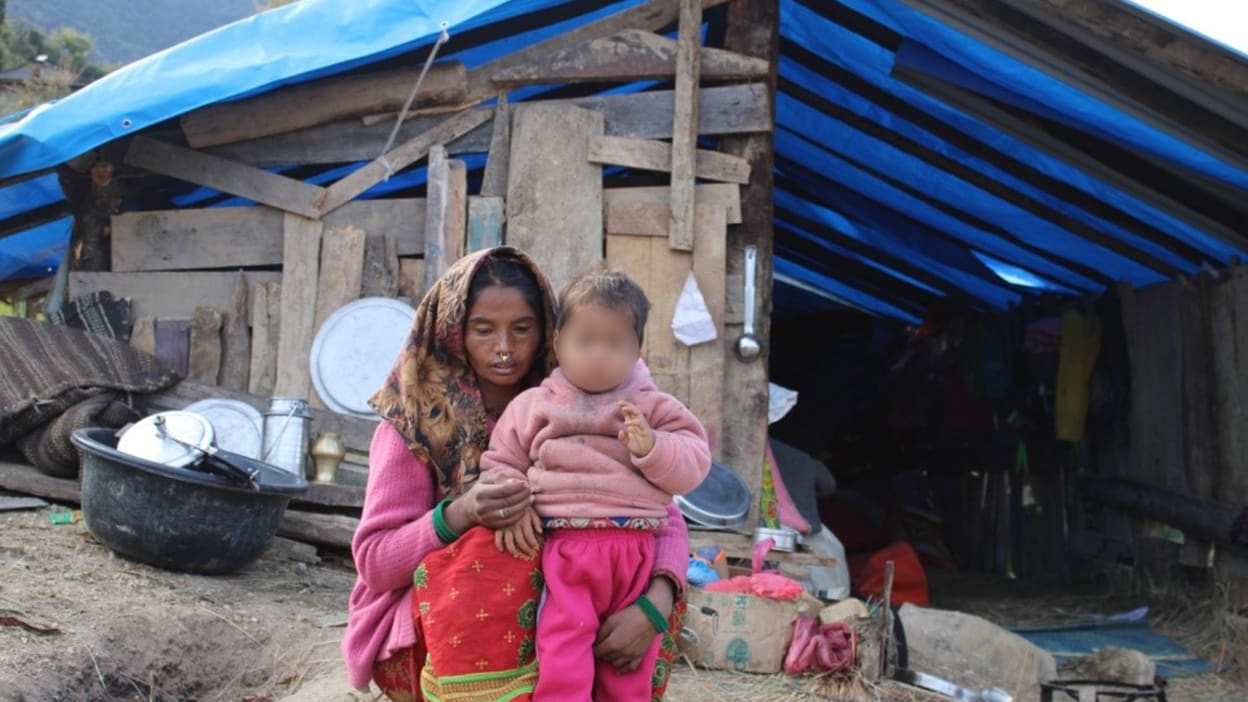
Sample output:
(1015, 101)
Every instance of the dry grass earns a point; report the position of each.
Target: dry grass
(689, 685)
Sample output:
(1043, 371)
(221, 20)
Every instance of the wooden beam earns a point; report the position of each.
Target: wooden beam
(753, 29)
(685, 124)
(356, 432)
(721, 194)
(400, 157)
(436, 235)
(728, 109)
(554, 194)
(335, 530)
(220, 174)
(342, 268)
(321, 101)
(94, 198)
(266, 315)
(18, 477)
(657, 156)
(623, 57)
(651, 16)
(299, 284)
(381, 268)
(235, 340)
(236, 237)
(485, 223)
(494, 180)
(167, 295)
(706, 360)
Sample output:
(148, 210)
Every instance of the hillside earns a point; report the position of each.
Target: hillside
(125, 30)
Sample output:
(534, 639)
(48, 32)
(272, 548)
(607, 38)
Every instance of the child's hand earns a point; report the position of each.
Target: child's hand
(522, 539)
(636, 434)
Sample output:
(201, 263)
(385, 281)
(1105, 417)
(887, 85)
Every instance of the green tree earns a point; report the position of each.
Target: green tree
(70, 49)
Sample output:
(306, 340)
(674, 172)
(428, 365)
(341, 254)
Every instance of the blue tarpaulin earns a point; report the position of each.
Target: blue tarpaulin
(886, 196)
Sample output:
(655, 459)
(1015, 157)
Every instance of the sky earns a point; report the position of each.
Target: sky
(1225, 21)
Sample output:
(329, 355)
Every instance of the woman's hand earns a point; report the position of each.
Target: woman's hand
(626, 636)
(493, 501)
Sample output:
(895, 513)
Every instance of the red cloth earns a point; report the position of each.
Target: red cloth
(581, 594)
(909, 578)
(821, 648)
(768, 585)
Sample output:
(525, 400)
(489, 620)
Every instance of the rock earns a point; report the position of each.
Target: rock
(846, 611)
(974, 653)
(1120, 665)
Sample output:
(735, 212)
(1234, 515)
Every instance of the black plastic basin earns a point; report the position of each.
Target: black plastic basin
(177, 518)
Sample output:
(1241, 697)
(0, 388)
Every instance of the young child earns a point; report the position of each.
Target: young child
(604, 451)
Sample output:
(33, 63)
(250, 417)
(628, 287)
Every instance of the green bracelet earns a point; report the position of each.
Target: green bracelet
(657, 620)
(445, 533)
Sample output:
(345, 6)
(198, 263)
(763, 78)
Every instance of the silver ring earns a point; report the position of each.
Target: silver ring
(502, 513)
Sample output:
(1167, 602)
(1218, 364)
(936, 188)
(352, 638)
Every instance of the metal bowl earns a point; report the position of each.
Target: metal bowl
(785, 538)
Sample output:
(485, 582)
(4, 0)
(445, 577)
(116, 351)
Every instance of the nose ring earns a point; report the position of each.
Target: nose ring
(505, 355)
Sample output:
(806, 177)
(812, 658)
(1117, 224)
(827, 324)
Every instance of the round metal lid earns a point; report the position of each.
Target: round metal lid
(354, 351)
(143, 440)
(237, 426)
(722, 501)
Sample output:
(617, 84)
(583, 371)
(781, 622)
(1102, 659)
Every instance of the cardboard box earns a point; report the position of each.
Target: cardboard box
(744, 633)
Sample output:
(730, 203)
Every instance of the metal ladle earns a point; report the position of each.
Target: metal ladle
(749, 347)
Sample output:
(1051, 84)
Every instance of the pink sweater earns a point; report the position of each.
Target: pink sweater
(567, 442)
(394, 536)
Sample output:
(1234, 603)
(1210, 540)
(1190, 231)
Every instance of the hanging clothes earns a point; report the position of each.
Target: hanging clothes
(1080, 347)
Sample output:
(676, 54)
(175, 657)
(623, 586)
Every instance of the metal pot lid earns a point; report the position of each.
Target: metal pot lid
(354, 351)
(143, 440)
(722, 501)
(237, 426)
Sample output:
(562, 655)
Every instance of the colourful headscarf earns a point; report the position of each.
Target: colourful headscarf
(431, 396)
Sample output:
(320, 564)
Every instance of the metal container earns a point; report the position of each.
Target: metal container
(286, 434)
(785, 538)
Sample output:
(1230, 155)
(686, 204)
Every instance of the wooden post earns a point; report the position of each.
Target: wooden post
(494, 180)
(685, 124)
(235, 340)
(299, 283)
(94, 196)
(753, 30)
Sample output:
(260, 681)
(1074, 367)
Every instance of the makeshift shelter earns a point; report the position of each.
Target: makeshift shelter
(882, 155)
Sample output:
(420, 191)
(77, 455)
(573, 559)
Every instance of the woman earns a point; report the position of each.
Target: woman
(427, 603)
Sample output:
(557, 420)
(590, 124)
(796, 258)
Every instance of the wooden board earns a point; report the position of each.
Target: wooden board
(706, 361)
(204, 364)
(494, 179)
(650, 155)
(320, 101)
(235, 338)
(356, 433)
(685, 124)
(728, 109)
(411, 278)
(485, 223)
(173, 344)
(226, 176)
(398, 158)
(334, 530)
(381, 268)
(239, 237)
(143, 336)
(554, 194)
(266, 300)
(725, 195)
(342, 267)
(19, 477)
(166, 296)
(299, 285)
(625, 56)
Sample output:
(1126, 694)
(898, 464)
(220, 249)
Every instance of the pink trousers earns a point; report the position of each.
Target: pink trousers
(590, 575)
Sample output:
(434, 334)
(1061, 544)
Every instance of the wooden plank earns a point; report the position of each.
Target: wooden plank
(650, 155)
(18, 477)
(167, 296)
(204, 364)
(725, 195)
(685, 124)
(728, 109)
(334, 530)
(411, 278)
(650, 16)
(400, 157)
(143, 335)
(235, 339)
(356, 433)
(173, 344)
(494, 180)
(625, 56)
(342, 267)
(485, 223)
(554, 194)
(265, 327)
(331, 495)
(238, 237)
(320, 101)
(451, 186)
(706, 361)
(438, 201)
(299, 284)
(739, 546)
(752, 29)
(220, 174)
(381, 268)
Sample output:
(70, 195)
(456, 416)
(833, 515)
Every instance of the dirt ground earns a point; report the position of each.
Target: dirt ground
(126, 631)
